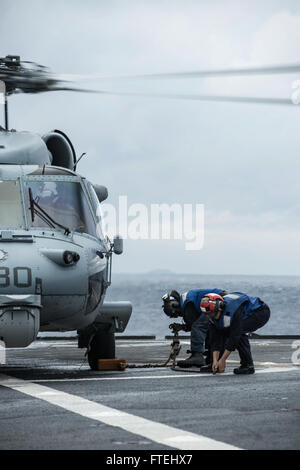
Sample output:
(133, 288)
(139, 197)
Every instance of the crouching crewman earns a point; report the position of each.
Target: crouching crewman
(232, 316)
(187, 306)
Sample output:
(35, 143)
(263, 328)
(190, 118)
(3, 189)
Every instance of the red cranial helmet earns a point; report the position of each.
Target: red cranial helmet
(211, 303)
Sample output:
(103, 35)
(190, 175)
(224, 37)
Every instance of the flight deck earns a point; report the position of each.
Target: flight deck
(50, 399)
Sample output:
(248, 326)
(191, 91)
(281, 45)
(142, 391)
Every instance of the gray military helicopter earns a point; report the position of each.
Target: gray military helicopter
(55, 262)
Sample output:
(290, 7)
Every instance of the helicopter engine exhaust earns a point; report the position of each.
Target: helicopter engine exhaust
(61, 149)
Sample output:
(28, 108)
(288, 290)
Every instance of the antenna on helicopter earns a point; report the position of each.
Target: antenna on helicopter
(5, 112)
(82, 155)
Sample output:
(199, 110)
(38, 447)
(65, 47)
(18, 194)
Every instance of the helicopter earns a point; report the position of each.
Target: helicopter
(55, 262)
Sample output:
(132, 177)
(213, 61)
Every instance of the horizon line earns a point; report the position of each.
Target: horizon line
(165, 272)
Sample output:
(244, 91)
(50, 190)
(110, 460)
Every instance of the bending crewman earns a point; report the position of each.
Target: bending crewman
(187, 306)
(231, 317)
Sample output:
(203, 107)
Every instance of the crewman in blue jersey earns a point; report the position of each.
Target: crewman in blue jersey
(187, 305)
(231, 317)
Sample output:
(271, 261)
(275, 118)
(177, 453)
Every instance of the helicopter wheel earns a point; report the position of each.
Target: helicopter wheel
(102, 347)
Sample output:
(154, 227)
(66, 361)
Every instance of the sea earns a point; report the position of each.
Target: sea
(144, 291)
(281, 293)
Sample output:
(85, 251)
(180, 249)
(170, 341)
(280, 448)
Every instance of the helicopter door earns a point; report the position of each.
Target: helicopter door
(11, 214)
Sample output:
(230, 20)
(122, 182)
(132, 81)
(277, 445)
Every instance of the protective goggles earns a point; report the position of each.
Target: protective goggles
(167, 297)
(168, 308)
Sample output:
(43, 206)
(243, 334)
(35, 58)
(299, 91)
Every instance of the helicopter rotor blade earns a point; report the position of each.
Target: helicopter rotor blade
(30, 77)
(264, 70)
(192, 97)
(246, 71)
(268, 70)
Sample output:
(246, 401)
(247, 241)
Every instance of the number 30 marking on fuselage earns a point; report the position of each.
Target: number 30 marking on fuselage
(5, 278)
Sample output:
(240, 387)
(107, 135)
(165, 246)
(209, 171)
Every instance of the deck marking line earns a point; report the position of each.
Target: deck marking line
(157, 432)
(173, 376)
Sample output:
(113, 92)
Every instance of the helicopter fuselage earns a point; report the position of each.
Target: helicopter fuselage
(55, 263)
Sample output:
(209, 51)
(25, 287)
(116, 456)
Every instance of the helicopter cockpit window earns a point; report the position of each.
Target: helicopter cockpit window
(11, 214)
(98, 211)
(65, 202)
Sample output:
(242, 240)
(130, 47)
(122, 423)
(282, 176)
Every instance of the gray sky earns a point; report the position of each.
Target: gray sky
(241, 161)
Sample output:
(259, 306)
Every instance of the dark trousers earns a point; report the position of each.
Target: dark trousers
(199, 331)
(257, 320)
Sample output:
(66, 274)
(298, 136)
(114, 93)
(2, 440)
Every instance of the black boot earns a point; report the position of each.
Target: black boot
(244, 370)
(196, 359)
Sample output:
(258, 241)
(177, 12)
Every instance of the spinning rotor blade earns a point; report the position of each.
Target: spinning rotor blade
(29, 77)
(173, 96)
(268, 70)
(194, 97)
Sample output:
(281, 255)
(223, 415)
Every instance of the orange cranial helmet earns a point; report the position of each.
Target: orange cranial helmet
(211, 303)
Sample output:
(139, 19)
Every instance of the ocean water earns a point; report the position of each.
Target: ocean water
(281, 293)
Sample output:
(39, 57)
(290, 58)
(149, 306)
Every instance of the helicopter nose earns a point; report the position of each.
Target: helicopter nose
(38, 285)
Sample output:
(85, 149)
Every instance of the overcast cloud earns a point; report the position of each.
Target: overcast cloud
(241, 161)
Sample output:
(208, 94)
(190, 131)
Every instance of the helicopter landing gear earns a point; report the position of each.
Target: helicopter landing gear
(102, 346)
